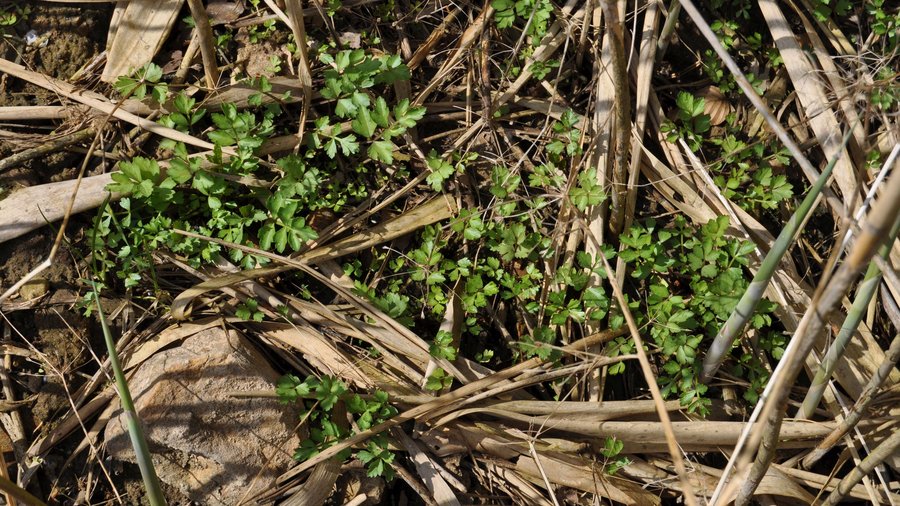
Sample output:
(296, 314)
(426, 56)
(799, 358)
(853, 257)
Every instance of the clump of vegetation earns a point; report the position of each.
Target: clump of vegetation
(229, 194)
(692, 279)
(510, 272)
(323, 402)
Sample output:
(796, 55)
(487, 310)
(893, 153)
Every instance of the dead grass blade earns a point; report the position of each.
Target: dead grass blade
(143, 27)
(621, 132)
(165, 339)
(318, 487)
(645, 67)
(860, 408)
(425, 49)
(298, 27)
(650, 437)
(826, 483)
(427, 470)
(468, 38)
(444, 401)
(52, 145)
(101, 104)
(34, 112)
(586, 476)
(812, 96)
(873, 233)
(585, 411)
(207, 43)
(842, 95)
(319, 352)
(888, 448)
(431, 212)
(513, 483)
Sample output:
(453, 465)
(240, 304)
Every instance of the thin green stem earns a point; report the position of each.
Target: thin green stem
(135, 431)
(742, 313)
(854, 316)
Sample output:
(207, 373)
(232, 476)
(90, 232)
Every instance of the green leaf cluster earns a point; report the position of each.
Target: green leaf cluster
(535, 15)
(319, 399)
(143, 79)
(691, 122)
(442, 346)
(692, 279)
(230, 193)
(348, 81)
(745, 174)
(508, 268)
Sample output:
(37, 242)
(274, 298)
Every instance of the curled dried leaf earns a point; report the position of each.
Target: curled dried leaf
(717, 105)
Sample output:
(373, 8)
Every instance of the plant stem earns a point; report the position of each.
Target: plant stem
(742, 313)
(872, 235)
(135, 431)
(19, 493)
(855, 315)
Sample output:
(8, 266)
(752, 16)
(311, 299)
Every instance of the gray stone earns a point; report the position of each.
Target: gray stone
(213, 447)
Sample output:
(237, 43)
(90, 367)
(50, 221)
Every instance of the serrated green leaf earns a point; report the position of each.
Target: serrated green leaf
(381, 113)
(152, 73)
(382, 151)
(363, 124)
(266, 236)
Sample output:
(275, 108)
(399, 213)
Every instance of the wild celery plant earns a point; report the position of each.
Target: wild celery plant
(693, 278)
(321, 399)
(745, 308)
(494, 256)
(237, 197)
(857, 311)
(132, 420)
(742, 170)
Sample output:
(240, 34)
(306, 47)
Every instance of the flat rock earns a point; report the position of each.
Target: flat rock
(211, 446)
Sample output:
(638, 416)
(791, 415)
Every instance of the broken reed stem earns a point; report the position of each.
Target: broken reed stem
(18, 492)
(12, 422)
(860, 408)
(872, 234)
(46, 148)
(304, 71)
(135, 431)
(4, 473)
(857, 311)
(34, 112)
(622, 132)
(887, 449)
(207, 43)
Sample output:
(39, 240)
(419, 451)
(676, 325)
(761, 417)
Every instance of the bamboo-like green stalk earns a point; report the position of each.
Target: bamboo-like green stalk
(135, 432)
(666, 33)
(855, 315)
(860, 408)
(742, 313)
(872, 235)
(884, 451)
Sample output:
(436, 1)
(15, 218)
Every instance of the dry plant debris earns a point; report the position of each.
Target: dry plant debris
(490, 247)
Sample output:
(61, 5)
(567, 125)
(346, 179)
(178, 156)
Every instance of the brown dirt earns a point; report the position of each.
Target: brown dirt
(74, 38)
(55, 328)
